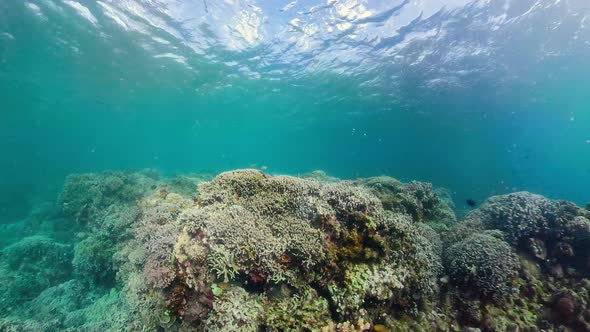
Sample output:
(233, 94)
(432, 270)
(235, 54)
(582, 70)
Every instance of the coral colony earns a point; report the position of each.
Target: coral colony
(247, 251)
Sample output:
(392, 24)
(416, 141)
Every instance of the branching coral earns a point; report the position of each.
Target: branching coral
(254, 231)
(235, 310)
(461, 231)
(303, 310)
(410, 249)
(255, 243)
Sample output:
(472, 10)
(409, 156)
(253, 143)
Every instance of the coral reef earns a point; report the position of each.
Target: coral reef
(482, 264)
(327, 248)
(418, 199)
(523, 215)
(246, 251)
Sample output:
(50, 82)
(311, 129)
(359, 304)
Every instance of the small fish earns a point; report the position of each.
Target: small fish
(253, 165)
(264, 168)
(470, 202)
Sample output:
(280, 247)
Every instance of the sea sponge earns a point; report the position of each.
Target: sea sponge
(483, 265)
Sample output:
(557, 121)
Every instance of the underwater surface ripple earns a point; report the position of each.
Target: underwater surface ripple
(464, 94)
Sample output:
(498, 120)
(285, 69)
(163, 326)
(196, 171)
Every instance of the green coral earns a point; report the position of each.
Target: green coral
(84, 196)
(236, 310)
(303, 310)
(31, 265)
(93, 259)
(39, 254)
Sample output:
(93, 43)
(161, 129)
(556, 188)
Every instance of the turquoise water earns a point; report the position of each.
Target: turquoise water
(512, 112)
(479, 97)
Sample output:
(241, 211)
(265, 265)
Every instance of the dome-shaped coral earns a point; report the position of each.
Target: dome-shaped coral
(481, 264)
(523, 215)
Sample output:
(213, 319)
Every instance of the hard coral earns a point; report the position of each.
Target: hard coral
(93, 259)
(523, 215)
(85, 195)
(482, 265)
(418, 199)
(248, 232)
